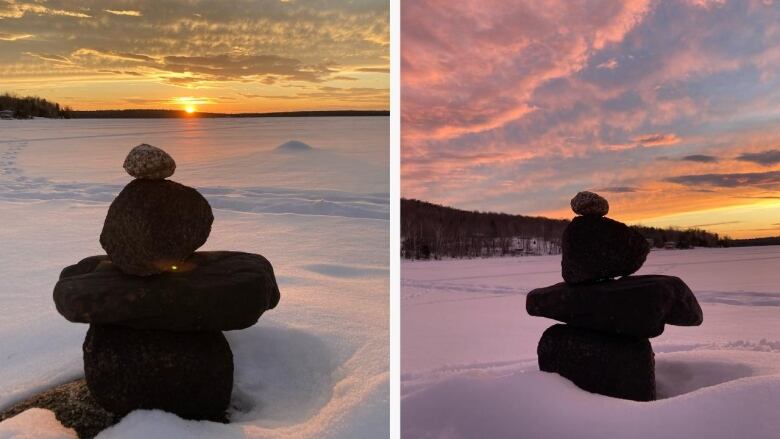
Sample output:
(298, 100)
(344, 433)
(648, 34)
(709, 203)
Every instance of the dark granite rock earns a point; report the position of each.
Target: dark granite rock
(589, 203)
(614, 365)
(186, 373)
(153, 225)
(209, 291)
(633, 305)
(72, 405)
(597, 248)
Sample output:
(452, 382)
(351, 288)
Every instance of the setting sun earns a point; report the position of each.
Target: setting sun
(190, 109)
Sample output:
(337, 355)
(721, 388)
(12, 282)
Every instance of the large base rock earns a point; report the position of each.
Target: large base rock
(152, 225)
(633, 305)
(186, 373)
(596, 248)
(612, 365)
(209, 291)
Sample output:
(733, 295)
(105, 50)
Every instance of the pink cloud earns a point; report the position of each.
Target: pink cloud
(474, 65)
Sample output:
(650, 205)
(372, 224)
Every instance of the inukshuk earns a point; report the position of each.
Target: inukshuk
(604, 346)
(156, 308)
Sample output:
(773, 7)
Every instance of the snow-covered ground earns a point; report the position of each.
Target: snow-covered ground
(314, 367)
(469, 353)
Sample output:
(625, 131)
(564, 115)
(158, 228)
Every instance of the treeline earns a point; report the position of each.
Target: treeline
(433, 231)
(164, 114)
(33, 106)
(683, 238)
(750, 242)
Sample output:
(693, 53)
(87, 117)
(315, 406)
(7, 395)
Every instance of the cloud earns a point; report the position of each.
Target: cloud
(659, 139)
(756, 179)
(700, 158)
(770, 157)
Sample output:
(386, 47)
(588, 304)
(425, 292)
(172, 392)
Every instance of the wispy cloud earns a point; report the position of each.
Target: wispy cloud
(18, 9)
(660, 139)
(49, 57)
(124, 12)
(5, 36)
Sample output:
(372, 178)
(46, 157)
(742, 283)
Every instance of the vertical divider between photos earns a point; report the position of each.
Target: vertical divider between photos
(395, 218)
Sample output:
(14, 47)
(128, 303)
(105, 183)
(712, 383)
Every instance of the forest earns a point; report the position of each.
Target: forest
(33, 106)
(431, 231)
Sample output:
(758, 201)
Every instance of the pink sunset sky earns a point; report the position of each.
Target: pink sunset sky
(670, 109)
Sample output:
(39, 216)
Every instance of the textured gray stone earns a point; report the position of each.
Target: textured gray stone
(149, 162)
(589, 203)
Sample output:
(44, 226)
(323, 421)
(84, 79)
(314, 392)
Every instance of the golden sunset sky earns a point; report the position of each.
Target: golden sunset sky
(669, 108)
(218, 56)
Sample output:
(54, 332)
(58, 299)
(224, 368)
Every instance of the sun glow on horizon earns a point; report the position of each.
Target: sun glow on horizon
(190, 109)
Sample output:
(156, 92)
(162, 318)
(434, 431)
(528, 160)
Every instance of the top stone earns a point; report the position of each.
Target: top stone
(589, 203)
(149, 162)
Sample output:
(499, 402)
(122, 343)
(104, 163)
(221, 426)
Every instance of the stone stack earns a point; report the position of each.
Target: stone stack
(156, 307)
(603, 346)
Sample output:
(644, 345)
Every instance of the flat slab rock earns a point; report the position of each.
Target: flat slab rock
(153, 225)
(219, 290)
(633, 305)
(72, 405)
(186, 373)
(613, 365)
(597, 248)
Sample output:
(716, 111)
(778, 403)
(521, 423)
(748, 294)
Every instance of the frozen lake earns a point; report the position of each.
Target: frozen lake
(317, 365)
(469, 353)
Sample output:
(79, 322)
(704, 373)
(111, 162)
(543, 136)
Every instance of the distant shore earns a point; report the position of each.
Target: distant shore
(167, 114)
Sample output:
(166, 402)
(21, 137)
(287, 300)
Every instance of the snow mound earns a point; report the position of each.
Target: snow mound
(35, 423)
(541, 405)
(294, 146)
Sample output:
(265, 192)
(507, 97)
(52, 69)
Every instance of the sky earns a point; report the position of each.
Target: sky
(220, 55)
(669, 109)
